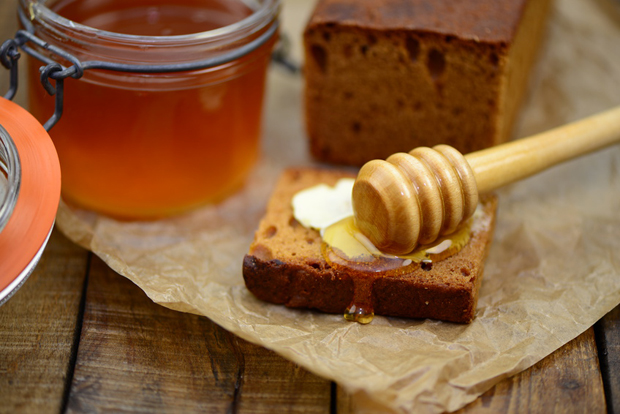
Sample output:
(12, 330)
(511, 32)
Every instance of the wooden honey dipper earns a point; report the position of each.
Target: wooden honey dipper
(414, 198)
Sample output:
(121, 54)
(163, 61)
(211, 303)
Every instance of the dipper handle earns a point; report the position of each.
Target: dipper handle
(414, 198)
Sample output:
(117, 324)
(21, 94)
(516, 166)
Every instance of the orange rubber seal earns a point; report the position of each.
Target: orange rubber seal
(27, 230)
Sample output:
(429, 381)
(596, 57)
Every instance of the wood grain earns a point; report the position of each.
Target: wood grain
(608, 339)
(567, 381)
(503, 164)
(272, 384)
(137, 356)
(392, 209)
(38, 327)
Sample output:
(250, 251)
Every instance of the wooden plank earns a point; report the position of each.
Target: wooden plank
(272, 384)
(567, 381)
(137, 356)
(608, 339)
(38, 328)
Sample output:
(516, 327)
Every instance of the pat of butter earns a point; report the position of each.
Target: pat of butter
(320, 206)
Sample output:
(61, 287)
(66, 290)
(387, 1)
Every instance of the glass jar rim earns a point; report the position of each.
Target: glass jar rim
(261, 16)
(11, 166)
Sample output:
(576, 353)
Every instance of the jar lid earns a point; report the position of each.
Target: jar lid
(29, 226)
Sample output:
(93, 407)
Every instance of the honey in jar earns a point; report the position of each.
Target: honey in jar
(147, 145)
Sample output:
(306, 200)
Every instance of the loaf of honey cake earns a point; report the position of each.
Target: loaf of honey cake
(285, 265)
(386, 76)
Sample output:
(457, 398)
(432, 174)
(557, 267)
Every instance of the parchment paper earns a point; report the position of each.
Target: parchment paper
(553, 270)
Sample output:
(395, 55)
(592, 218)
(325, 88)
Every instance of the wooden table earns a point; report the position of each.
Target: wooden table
(77, 337)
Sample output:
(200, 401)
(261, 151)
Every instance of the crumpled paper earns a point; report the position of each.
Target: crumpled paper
(552, 272)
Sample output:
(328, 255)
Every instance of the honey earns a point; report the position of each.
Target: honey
(147, 145)
(346, 247)
(348, 250)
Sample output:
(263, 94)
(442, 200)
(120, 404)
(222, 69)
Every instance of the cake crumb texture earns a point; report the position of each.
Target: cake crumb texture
(285, 265)
(386, 76)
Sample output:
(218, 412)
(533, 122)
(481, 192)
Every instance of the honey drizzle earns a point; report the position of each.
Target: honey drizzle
(361, 309)
(346, 249)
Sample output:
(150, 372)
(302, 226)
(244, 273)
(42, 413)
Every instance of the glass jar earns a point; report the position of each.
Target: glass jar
(148, 145)
(10, 177)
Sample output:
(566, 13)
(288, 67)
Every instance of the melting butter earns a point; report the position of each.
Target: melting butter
(320, 206)
(346, 247)
(330, 211)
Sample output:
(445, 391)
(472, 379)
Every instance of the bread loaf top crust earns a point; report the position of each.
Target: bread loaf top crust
(492, 21)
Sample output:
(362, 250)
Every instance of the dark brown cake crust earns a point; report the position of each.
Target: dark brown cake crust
(297, 286)
(493, 21)
(274, 272)
(386, 76)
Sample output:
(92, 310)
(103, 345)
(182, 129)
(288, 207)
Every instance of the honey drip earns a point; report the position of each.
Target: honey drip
(345, 248)
(361, 310)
